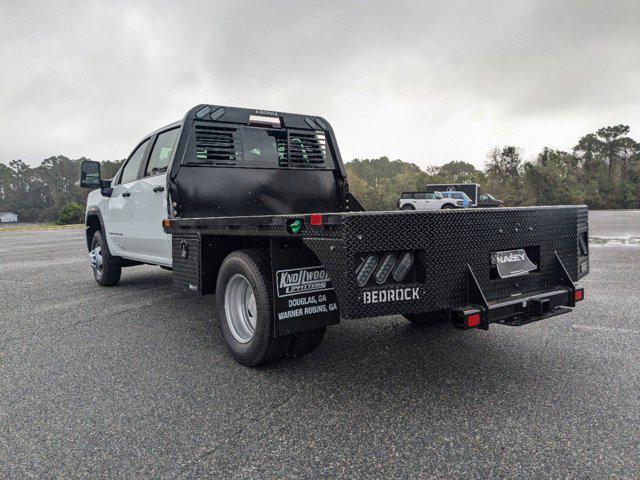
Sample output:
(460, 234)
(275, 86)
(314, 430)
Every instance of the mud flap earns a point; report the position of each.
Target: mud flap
(303, 294)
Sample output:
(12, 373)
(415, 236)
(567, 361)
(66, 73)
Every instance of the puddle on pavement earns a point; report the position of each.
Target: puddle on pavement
(633, 241)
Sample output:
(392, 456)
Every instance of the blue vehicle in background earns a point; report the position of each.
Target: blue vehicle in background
(461, 198)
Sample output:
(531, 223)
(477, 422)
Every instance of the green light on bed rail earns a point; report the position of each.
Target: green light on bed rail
(294, 226)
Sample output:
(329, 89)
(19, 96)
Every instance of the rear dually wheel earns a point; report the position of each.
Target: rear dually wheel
(244, 307)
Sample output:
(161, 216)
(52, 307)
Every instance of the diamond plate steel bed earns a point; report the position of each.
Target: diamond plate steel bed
(452, 271)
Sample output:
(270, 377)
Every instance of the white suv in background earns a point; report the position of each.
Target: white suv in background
(426, 201)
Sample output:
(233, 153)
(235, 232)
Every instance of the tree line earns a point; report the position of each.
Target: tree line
(602, 171)
(49, 192)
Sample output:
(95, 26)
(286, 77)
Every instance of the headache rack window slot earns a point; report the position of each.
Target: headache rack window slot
(216, 144)
(231, 145)
(305, 149)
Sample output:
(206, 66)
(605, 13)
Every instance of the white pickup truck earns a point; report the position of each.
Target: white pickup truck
(124, 217)
(254, 207)
(426, 201)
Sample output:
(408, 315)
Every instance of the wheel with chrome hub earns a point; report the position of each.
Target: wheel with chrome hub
(240, 308)
(96, 259)
(106, 270)
(244, 307)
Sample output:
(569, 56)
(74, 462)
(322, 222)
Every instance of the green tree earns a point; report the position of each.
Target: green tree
(39, 193)
(70, 213)
(504, 174)
(608, 158)
(612, 140)
(372, 170)
(553, 179)
(457, 172)
(378, 182)
(109, 168)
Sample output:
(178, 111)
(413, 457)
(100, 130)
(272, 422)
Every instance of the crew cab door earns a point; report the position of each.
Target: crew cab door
(117, 214)
(149, 203)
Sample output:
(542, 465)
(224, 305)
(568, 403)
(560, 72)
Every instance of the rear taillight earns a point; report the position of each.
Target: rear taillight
(316, 219)
(467, 317)
(403, 267)
(386, 265)
(365, 270)
(473, 320)
(386, 268)
(578, 295)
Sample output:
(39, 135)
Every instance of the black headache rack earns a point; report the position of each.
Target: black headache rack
(386, 263)
(233, 161)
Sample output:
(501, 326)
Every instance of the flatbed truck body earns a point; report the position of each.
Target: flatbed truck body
(257, 210)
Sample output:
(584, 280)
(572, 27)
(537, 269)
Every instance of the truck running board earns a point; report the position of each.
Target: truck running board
(518, 309)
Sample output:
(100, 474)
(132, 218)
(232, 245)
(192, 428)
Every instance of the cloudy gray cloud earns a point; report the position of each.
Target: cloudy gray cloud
(427, 82)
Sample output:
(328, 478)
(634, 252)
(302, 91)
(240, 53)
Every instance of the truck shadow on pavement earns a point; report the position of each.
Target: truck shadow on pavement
(389, 357)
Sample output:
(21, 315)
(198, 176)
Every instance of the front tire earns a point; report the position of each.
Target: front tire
(106, 270)
(244, 305)
(447, 205)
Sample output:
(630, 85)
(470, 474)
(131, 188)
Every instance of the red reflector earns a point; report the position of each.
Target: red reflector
(316, 219)
(578, 295)
(166, 223)
(473, 320)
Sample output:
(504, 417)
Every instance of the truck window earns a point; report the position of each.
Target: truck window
(262, 147)
(130, 170)
(407, 195)
(159, 160)
(420, 196)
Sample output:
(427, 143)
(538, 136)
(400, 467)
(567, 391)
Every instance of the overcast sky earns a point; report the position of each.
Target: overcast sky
(426, 82)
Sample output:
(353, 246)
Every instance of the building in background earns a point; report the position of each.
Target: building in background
(8, 217)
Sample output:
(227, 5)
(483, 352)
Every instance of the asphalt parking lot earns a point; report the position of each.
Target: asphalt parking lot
(132, 382)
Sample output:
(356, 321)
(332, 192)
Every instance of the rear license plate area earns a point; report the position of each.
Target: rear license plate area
(515, 263)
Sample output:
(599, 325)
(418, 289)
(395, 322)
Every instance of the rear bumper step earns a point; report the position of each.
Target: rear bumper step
(518, 309)
(517, 321)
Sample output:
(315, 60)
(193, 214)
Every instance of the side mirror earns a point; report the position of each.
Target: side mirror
(90, 174)
(90, 177)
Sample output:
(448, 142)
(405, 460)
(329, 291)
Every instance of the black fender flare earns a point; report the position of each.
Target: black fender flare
(93, 212)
